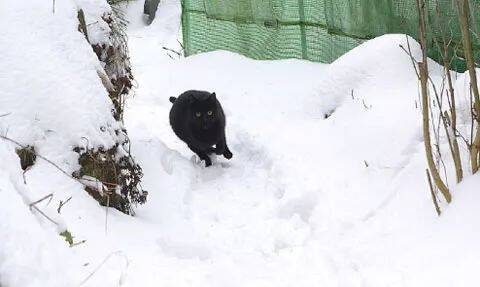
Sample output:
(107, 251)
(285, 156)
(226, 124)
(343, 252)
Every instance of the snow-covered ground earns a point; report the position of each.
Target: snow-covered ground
(326, 186)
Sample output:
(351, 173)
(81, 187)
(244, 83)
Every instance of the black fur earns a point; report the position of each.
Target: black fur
(192, 122)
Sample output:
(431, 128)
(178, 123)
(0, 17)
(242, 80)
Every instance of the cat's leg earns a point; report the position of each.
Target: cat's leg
(222, 149)
(211, 150)
(203, 155)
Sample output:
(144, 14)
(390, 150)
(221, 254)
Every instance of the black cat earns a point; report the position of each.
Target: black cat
(197, 118)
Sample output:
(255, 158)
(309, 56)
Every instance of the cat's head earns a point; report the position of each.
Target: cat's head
(203, 110)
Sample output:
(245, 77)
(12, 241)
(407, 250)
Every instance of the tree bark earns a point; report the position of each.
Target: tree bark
(463, 13)
(423, 71)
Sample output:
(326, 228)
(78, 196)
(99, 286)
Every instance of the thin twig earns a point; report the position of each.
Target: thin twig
(106, 211)
(172, 50)
(181, 45)
(52, 163)
(444, 122)
(412, 59)
(38, 155)
(34, 206)
(42, 213)
(62, 203)
(49, 196)
(102, 263)
(78, 243)
(365, 105)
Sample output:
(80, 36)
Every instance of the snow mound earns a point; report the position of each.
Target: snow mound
(52, 93)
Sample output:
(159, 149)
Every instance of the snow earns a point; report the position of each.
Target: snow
(28, 255)
(49, 81)
(326, 186)
(51, 98)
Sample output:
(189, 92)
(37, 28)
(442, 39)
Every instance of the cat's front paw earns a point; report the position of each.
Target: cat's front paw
(208, 162)
(227, 154)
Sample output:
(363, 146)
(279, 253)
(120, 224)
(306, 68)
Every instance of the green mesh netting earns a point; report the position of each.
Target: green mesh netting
(316, 30)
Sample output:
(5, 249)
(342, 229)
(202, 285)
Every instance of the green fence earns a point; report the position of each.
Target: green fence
(316, 30)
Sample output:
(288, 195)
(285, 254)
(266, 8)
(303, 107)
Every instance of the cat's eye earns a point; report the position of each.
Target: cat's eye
(198, 114)
(209, 113)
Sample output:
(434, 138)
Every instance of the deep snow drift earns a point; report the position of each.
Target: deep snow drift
(326, 186)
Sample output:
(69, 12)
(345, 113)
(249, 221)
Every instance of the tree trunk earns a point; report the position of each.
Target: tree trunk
(463, 13)
(423, 71)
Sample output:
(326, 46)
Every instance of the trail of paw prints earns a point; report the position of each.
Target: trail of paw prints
(249, 151)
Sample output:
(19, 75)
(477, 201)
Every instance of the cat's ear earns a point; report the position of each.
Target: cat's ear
(213, 96)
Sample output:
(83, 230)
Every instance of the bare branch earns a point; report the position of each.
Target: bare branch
(62, 203)
(49, 196)
(54, 164)
(42, 213)
(103, 262)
